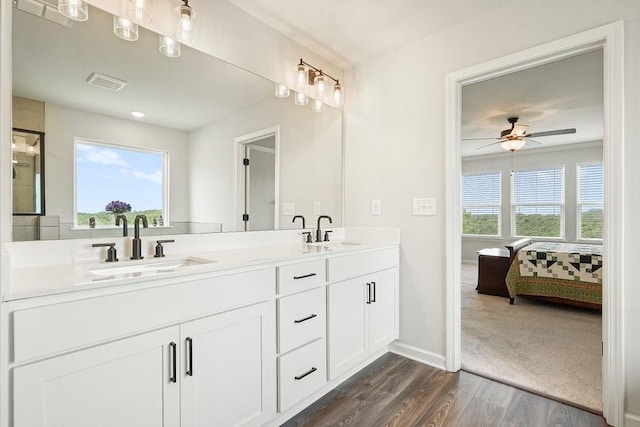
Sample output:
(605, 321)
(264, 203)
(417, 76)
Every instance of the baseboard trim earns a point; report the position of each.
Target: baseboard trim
(419, 355)
(631, 420)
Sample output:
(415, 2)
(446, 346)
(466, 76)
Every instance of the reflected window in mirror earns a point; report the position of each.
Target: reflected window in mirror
(27, 158)
(113, 179)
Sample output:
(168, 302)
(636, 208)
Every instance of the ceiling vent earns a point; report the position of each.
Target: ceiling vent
(44, 10)
(105, 82)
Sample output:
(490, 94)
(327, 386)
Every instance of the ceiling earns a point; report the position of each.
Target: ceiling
(351, 31)
(559, 95)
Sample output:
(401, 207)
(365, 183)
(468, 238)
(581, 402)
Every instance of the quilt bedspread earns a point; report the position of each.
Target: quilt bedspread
(559, 270)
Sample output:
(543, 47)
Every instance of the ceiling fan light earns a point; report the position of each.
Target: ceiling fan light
(125, 29)
(512, 144)
(77, 10)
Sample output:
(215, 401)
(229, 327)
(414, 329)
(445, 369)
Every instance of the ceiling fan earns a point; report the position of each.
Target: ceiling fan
(514, 139)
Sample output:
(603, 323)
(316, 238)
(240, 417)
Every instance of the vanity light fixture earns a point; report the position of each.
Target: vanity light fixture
(77, 10)
(125, 29)
(137, 114)
(301, 99)
(139, 10)
(169, 47)
(282, 91)
(307, 74)
(186, 15)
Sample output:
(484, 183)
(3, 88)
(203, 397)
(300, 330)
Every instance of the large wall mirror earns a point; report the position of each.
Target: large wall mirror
(182, 163)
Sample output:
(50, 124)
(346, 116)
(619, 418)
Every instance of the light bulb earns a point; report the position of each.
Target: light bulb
(77, 10)
(185, 21)
(301, 99)
(317, 106)
(282, 91)
(125, 29)
(169, 47)
(139, 10)
(319, 82)
(338, 97)
(301, 78)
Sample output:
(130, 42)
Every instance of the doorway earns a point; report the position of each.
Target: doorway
(609, 38)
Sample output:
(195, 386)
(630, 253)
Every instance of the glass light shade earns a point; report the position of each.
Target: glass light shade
(301, 99)
(169, 47)
(338, 95)
(139, 10)
(301, 77)
(184, 27)
(125, 29)
(282, 91)
(316, 106)
(74, 9)
(320, 83)
(512, 144)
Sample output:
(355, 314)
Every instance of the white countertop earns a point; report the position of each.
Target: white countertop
(52, 279)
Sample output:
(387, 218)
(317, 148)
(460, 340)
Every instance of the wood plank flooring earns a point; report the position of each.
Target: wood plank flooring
(395, 391)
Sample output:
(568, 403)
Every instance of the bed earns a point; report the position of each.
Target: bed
(567, 273)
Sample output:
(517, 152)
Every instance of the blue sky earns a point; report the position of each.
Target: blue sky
(105, 173)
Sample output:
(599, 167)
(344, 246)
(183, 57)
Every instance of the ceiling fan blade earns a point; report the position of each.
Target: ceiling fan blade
(533, 140)
(519, 130)
(488, 145)
(552, 132)
(477, 139)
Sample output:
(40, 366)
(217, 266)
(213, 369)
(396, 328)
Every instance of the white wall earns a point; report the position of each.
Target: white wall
(310, 161)
(395, 150)
(568, 156)
(63, 124)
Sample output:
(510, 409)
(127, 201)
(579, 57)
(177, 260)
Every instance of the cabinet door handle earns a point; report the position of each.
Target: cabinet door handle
(374, 291)
(189, 356)
(173, 362)
(309, 372)
(368, 293)
(305, 319)
(304, 276)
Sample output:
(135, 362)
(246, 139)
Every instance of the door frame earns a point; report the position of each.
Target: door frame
(239, 143)
(610, 38)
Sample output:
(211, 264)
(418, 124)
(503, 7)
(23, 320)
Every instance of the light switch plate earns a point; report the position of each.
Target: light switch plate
(376, 207)
(317, 208)
(288, 209)
(426, 206)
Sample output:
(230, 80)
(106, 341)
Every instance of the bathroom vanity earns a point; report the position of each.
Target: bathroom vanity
(248, 335)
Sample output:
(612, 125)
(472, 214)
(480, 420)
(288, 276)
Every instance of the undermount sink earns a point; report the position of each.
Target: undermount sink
(331, 246)
(147, 268)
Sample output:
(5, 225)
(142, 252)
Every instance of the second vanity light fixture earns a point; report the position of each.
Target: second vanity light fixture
(138, 11)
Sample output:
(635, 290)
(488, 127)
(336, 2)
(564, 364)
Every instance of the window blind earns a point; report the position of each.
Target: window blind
(481, 200)
(538, 203)
(590, 201)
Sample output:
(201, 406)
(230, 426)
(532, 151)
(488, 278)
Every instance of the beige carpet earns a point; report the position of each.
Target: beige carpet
(549, 348)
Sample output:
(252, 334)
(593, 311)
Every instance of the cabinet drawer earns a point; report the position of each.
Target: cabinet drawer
(303, 275)
(302, 372)
(348, 266)
(301, 319)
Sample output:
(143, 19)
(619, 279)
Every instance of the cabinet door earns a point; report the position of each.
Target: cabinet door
(232, 378)
(124, 383)
(348, 325)
(383, 309)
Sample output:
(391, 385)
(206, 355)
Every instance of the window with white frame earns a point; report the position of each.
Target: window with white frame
(113, 179)
(590, 201)
(537, 203)
(481, 200)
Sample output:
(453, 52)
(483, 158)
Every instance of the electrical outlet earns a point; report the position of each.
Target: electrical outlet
(425, 206)
(317, 208)
(288, 209)
(376, 207)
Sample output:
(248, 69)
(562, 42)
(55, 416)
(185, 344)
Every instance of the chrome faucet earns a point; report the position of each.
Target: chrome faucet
(318, 232)
(137, 243)
(125, 229)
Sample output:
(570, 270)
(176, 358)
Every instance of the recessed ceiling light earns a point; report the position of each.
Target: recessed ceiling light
(137, 114)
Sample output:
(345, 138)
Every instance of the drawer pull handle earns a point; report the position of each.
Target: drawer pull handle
(190, 356)
(173, 356)
(309, 372)
(304, 277)
(305, 319)
(374, 291)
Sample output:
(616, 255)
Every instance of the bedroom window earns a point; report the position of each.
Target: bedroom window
(481, 204)
(537, 208)
(112, 179)
(590, 201)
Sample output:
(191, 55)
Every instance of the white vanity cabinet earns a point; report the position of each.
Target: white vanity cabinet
(363, 310)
